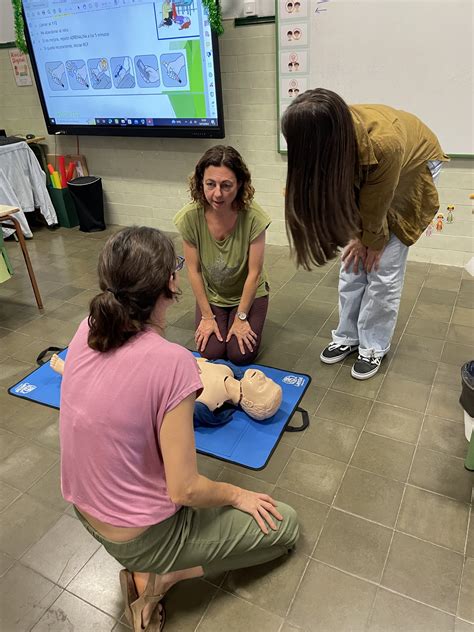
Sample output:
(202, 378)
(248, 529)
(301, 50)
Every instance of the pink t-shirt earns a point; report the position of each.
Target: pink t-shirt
(112, 408)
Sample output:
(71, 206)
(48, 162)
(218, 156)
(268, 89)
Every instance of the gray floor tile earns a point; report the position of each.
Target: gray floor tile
(461, 334)
(420, 347)
(270, 586)
(312, 475)
(426, 309)
(330, 439)
(434, 518)
(69, 612)
(12, 371)
(29, 421)
(383, 456)
(444, 435)
(442, 474)
(393, 613)
(26, 465)
(66, 292)
(23, 523)
(394, 422)
(438, 297)
(6, 562)
(24, 597)
(323, 374)
(61, 553)
(347, 384)
(346, 409)
(331, 601)
(456, 354)
(463, 316)
(47, 327)
(311, 516)
(470, 538)
(424, 572)
(98, 584)
(186, 603)
(354, 545)
(466, 601)
(463, 626)
(312, 398)
(465, 299)
(370, 496)
(232, 614)
(7, 495)
(9, 443)
(412, 368)
(396, 390)
(448, 375)
(209, 467)
(427, 328)
(445, 403)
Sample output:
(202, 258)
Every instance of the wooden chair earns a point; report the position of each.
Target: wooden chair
(7, 213)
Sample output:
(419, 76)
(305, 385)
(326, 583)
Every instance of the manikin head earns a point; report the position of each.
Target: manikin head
(261, 396)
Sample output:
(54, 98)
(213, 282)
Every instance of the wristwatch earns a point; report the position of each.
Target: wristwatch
(241, 315)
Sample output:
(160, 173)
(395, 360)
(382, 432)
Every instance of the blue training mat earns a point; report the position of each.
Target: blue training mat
(242, 441)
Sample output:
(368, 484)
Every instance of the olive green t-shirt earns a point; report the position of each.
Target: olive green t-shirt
(224, 264)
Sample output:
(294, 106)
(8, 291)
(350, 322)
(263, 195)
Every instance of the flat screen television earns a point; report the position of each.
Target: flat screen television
(126, 67)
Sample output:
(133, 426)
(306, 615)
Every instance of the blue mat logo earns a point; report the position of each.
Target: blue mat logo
(293, 380)
(25, 388)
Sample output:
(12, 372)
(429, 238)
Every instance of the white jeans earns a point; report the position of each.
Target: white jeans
(369, 302)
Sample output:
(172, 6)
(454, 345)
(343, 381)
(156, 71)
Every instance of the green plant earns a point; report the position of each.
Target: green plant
(19, 26)
(215, 16)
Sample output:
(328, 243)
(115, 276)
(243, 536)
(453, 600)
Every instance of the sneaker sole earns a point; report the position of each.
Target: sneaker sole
(364, 376)
(336, 359)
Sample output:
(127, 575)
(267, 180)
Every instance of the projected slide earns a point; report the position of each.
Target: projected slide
(124, 62)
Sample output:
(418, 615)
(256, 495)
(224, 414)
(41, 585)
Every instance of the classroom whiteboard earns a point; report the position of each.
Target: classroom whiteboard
(415, 55)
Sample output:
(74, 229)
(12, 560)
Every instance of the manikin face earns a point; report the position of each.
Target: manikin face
(261, 396)
(220, 187)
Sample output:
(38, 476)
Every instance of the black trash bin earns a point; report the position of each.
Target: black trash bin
(86, 192)
(467, 394)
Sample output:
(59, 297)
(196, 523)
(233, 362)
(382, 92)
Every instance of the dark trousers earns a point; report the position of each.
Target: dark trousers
(216, 350)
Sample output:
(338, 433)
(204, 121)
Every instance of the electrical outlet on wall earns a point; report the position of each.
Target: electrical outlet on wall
(250, 7)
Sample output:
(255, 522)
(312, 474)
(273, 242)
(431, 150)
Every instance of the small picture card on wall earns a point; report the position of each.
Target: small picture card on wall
(292, 34)
(291, 9)
(291, 87)
(295, 62)
(20, 68)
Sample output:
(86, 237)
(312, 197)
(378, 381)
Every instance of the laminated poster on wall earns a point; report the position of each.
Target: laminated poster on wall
(21, 70)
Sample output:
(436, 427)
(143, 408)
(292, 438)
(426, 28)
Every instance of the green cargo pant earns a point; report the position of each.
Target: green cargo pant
(218, 539)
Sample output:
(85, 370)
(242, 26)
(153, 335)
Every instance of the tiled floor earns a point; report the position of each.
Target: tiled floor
(378, 479)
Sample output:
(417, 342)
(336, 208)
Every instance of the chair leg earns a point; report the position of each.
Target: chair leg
(26, 257)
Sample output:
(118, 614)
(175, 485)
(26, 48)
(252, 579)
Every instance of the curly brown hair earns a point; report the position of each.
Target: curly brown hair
(223, 156)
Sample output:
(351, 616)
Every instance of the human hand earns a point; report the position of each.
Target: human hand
(372, 259)
(261, 506)
(246, 337)
(206, 328)
(353, 253)
(152, 75)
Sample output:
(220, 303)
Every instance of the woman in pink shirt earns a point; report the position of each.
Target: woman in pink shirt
(128, 460)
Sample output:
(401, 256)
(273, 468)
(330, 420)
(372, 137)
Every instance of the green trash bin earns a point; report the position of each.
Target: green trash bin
(64, 207)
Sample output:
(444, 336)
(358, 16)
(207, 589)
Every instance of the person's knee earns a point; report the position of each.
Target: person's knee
(235, 355)
(289, 526)
(214, 351)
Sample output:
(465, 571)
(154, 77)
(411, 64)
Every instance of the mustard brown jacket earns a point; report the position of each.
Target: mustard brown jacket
(396, 192)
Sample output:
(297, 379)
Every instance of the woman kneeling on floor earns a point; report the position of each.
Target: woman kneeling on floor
(128, 459)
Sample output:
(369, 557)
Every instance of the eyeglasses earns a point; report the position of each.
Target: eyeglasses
(179, 263)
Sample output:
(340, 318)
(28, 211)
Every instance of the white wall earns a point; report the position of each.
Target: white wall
(145, 179)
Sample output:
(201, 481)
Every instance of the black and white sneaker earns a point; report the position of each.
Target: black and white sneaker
(335, 352)
(364, 368)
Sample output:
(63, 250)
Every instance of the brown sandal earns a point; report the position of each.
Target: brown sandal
(135, 604)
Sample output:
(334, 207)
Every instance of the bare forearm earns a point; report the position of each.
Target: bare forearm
(197, 285)
(206, 493)
(248, 293)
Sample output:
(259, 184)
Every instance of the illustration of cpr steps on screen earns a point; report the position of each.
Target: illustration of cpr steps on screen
(124, 73)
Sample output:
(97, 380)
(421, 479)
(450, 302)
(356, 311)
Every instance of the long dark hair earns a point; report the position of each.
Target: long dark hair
(135, 267)
(223, 156)
(320, 200)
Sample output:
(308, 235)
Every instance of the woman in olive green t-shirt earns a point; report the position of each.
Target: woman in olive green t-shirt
(223, 232)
